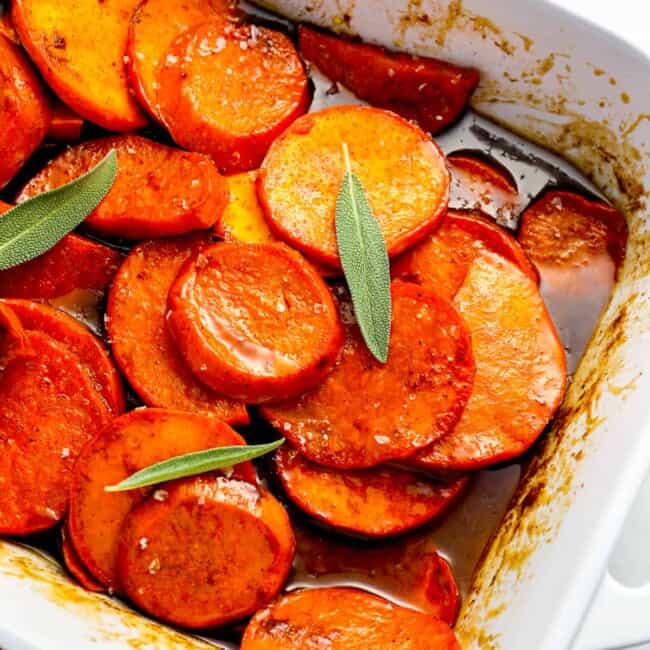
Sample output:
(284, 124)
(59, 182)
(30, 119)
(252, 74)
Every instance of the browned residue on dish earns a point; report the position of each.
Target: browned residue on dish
(111, 620)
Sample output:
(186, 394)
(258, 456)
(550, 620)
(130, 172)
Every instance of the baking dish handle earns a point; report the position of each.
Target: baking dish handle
(619, 617)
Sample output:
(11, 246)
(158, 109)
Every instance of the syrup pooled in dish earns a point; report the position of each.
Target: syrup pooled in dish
(214, 281)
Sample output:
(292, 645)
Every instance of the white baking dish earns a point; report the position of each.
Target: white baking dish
(563, 82)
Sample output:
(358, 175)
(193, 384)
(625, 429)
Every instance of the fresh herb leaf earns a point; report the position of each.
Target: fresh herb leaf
(33, 227)
(364, 258)
(192, 464)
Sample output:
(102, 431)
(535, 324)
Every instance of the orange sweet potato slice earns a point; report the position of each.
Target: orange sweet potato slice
(79, 340)
(376, 502)
(262, 89)
(159, 191)
(341, 618)
(78, 45)
(520, 369)
(227, 543)
(254, 321)
(402, 171)
(25, 111)
(366, 413)
(442, 260)
(7, 26)
(154, 26)
(66, 125)
(130, 443)
(48, 410)
(409, 571)
(75, 566)
(430, 91)
(141, 343)
(75, 262)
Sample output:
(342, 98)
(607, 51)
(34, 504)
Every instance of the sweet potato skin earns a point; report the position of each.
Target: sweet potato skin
(344, 619)
(131, 442)
(90, 351)
(442, 260)
(75, 262)
(254, 321)
(262, 84)
(78, 45)
(75, 566)
(25, 110)
(402, 171)
(141, 342)
(159, 191)
(430, 91)
(215, 550)
(520, 369)
(366, 413)
(153, 27)
(377, 502)
(40, 445)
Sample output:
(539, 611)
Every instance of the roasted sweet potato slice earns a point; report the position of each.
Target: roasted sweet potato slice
(75, 566)
(66, 125)
(344, 619)
(254, 321)
(79, 340)
(159, 191)
(48, 410)
(520, 369)
(430, 91)
(577, 246)
(141, 342)
(477, 184)
(154, 26)
(25, 111)
(75, 262)
(366, 413)
(79, 46)
(442, 260)
(7, 26)
(376, 502)
(262, 89)
(131, 442)
(402, 171)
(215, 550)
(409, 571)
(564, 229)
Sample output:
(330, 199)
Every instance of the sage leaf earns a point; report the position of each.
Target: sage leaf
(33, 227)
(364, 259)
(192, 464)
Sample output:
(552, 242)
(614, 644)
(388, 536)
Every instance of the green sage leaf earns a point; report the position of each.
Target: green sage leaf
(192, 464)
(364, 259)
(33, 227)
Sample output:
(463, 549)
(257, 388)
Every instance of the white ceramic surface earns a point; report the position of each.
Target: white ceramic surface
(582, 92)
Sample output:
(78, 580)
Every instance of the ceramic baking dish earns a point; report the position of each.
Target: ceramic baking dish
(581, 92)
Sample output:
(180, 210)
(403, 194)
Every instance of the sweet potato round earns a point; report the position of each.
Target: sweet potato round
(78, 45)
(340, 618)
(402, 171)
(254, 321)
(377, 502)
(520, 369)
(75, 566)
(131, 442)
(215, 550)
(154, 26)
(366, 413)
(75, 262)
(48, 410)
(442, 260)
(25, 111)
(90, 351)
(159, 191)
(142, 345)
(262, 89)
